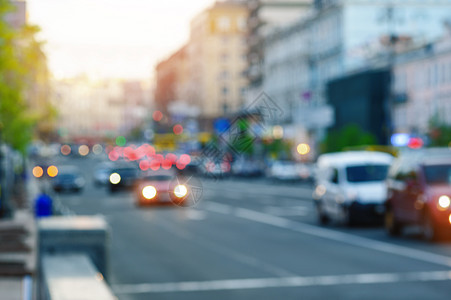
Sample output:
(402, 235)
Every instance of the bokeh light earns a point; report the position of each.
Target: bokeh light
(38, 171)
(178, 129)
(65, 150)
(415, 143)
(113, 155)
(185, 159)
(166, 164)
(171, 157)
(121, 141)
(115, 178)
(303, 149)
(144, 165)
(277, 132)
(97, 149)
(52, 171)
(83, 150)
(157, 115)
(155, 165)
(179, 165)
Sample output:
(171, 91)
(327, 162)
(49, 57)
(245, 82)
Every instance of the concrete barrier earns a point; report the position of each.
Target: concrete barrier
(76, 234)
(72, 277)
(73, 249)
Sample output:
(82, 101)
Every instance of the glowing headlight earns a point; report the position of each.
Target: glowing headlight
(115, 178)
(180, 191)
(149, 192)
(444, 201)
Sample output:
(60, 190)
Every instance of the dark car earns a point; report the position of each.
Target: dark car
(68, 179)
(123, 177)
(102, 173)
(419, 193)
(159, 187)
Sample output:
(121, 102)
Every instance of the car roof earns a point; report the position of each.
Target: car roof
(340, 159)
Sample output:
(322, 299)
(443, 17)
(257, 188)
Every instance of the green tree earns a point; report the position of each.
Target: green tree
(348, 136)
(23, 82)
(439, 133)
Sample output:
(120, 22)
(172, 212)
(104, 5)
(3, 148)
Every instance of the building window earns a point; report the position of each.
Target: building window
(223, 23)
(242, 92)
(224, 91)
(224, 75)
(224, 40)
(224, 57)
(242, 23)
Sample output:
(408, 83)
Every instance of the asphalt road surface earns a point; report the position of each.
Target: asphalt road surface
(253, 239)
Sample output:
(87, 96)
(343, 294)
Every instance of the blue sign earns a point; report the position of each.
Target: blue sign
(220, 125)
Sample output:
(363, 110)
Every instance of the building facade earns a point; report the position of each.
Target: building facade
(264, 17)
(98, 109)
(340, 38)
(217, 59)
(422, 86)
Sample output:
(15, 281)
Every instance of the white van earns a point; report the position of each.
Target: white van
(350, 186)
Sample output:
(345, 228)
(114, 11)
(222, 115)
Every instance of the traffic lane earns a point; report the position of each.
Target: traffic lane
(110, 203)
(396, 291)
(179, 255)
(246, 240)
(179, 216)
(297, 205)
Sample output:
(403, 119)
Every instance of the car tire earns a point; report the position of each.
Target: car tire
(429, 229)
(392, 226)
(350, 220)
(113, 189)
(323, 218)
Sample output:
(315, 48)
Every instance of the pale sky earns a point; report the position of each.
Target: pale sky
(111, 38)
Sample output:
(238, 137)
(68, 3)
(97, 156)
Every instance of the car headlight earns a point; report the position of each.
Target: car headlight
(352, 195)
(444, 202)
(115, 178)
(149, 192)
(180, 191)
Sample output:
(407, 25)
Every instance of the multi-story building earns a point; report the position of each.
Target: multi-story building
(346, 33)
(136, 97)
(89, 109)
(264, 17)
(422, 86)
(339, 38)
(217, 59)
(172, 79)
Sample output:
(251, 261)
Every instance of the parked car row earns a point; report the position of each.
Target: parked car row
(360, 186)
(278, 170)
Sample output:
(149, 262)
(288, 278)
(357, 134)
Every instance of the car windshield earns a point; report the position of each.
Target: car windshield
(159, 177)
(67, 176)
(438, 174)
(366, 173)
(128, 172)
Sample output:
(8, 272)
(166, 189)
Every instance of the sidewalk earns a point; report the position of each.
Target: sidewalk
(18, 248)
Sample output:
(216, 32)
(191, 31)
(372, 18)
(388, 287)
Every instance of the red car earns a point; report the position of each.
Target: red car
(419, 193)
(159, 187)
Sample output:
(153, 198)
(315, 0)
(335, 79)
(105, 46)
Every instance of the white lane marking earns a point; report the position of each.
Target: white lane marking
(194, 214)
(288, 210)
(295, 281)
(220, 249)
(217, 207)
(298, 194)
(341, 236)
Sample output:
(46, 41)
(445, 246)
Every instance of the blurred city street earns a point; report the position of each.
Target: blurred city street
(247, 239)
(225, 149)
